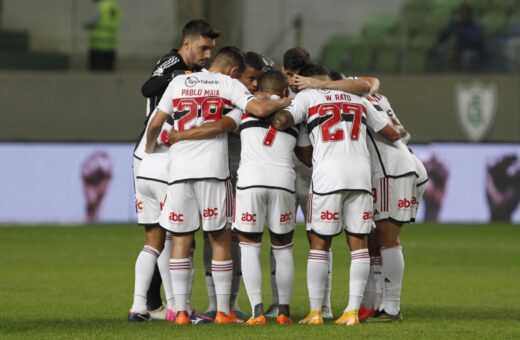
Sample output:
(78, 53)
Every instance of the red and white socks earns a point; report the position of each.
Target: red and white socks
(359, 270)
(317, 271)
(222, 272)
(144, 267)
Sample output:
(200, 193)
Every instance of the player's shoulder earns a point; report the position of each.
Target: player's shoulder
(169, 61)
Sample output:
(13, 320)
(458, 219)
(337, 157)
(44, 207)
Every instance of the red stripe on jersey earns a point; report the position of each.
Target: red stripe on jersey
(313, 110)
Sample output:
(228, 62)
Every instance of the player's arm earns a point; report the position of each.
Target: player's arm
(205, 131)
(390, 132)
(304, 154)
(266, 107)
(154, 129)
(163, 73)
(361, 86)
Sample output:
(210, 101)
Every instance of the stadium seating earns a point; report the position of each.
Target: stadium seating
(404, 43)
(15, 54)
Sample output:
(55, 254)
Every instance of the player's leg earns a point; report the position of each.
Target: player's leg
(323, 222)
(281, 215)
(234, 162)
(402, 206)
(210, 286)
(372, 296)
(181, 217)
(215, 202)
(357, 219)
(144, 267)
(249, 219)
(148, 213)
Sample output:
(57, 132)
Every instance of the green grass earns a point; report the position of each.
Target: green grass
(460, 282)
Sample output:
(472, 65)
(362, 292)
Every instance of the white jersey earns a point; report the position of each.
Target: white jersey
(337, 121)
(195, 99)
(266, 156)
(388, 159)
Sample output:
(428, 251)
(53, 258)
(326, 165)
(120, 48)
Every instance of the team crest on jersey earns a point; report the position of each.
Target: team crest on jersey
(191, 81)
(476, 109)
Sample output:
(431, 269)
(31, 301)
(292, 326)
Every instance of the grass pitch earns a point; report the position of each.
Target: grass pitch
(460, 281)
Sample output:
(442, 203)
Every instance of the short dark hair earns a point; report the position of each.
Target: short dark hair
(231, 55)
(199, 27)
(255, 61)
(335, 75)
(273, 81)
(311, 70)
(296, 58)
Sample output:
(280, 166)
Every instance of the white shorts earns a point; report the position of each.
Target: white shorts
(348, 210)
(256, 206)
(395, 198)
(151, 187)
(191, 204)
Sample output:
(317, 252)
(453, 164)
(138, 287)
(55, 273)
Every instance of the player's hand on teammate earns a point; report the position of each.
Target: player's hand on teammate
(307, 82)
(173, 137)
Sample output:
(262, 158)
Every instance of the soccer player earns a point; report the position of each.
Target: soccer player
(294, 60)
(198, 40)
(255, 66)
(340, 196)
(397, 190)
(262, 198)
(199, 172)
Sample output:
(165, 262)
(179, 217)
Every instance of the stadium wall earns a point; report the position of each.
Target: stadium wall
(80, 106)
(93, 182)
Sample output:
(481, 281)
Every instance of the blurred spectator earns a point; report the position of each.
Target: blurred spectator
(103, 35)
(468, 53)
(503, 187)
(96, 172)
(435, 188)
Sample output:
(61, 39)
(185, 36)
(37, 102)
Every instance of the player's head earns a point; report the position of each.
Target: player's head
(230, 61)
(334, 75)
(315, 71)
(294, 60)
(255, 66)
(274, 82)
(198, 38)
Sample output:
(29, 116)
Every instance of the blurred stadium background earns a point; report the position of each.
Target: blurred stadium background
(67, 134)
(464, 115)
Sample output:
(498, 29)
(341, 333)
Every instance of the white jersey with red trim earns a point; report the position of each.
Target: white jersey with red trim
(337, 121)
(388, 159)
(266, 156)
(195, 99)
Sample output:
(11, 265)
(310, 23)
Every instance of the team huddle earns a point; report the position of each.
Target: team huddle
(239, 146)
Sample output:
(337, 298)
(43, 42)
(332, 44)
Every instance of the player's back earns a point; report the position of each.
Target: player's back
(200, 98)
(388, 159)
(337, 122)
(266, 156)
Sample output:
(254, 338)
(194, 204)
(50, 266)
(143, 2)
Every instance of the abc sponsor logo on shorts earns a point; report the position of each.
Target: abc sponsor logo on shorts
(287, 217)
(175, 217)
(328, 216)
(139, 205)
(248, 217)
(367, 216)
(406, 204)
(210, 213)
